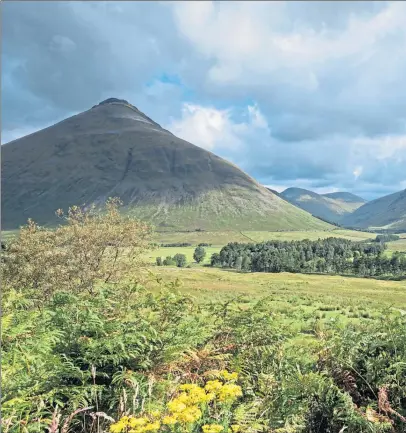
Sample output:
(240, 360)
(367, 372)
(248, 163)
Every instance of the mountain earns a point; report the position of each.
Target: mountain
(113, 149)
(388, 212)
(346, 197)
(331, 207)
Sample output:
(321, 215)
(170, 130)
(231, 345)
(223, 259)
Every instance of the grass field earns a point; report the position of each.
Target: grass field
(315, 296)
(220, 238)
(399, 245)
(188, 251)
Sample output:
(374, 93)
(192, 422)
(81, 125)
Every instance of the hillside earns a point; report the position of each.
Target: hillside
(113, 149)
(331, 207)
(388, 212)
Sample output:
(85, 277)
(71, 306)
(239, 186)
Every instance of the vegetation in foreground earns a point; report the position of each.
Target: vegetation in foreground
(88, 348)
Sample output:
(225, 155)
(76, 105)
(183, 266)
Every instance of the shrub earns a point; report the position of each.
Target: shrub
(91, 246)
(180, 260)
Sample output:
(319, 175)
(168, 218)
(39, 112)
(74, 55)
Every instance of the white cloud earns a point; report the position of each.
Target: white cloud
(246, 40)
(214, 129)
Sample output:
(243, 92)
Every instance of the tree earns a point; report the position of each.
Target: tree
(215, 259)
(91, 246)
(180, 260)
(169, 261)
(199, 254)
(158, 261)
(238, 263)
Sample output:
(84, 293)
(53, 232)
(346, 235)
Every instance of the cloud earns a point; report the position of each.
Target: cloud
(357, 163)
(307, 94)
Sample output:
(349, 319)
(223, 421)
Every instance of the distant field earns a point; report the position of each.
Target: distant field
(188, 251)
(318, 295)
(399, 245)
(221, 238)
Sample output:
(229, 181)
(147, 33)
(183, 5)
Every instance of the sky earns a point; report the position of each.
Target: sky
(304, 94)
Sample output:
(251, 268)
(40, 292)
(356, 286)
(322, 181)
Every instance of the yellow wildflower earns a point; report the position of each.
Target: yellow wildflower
(212, 428)
(208, 397)
(229, 392)
(229, 376)
(155, 413)
(137, 422)
(176, 406)
(235, 428)
(169, 420)
(213, 385)
(197, 395)
(189, 415)
(117, 427)
(153, 426)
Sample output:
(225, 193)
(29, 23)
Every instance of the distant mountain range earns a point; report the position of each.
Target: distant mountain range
(331, 207)
(113, 149)
(388, 212)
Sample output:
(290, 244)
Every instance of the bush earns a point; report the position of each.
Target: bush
(387, 238)
(180, 260)
(91, 246)
(158, 261)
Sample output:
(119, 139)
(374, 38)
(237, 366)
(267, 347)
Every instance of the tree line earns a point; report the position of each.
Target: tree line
(331, 255)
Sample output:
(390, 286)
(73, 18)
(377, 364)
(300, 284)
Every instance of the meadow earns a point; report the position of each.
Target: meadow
(342, 295)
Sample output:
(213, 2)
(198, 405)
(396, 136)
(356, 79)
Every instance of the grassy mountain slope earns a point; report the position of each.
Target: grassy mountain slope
(331, 207)
(388, 212)
(114, 149)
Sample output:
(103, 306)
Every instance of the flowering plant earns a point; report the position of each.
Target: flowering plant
(195, 408)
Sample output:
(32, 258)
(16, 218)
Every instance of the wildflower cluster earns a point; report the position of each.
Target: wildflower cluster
(191, 407)
(131, 424)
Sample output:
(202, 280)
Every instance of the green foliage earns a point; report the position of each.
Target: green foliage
(169, 261)
(158, 261)
(199, 254)
(387, 238)
(83, 360)
(331, 255)
(180, 260)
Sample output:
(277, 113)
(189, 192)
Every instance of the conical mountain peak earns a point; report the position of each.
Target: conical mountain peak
(114, 149)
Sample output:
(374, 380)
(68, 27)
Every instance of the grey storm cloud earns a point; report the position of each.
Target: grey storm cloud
(326, 77)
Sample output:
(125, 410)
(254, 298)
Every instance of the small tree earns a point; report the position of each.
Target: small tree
(180, 260)
(91, 247)
(199, 254)
(158, 261)
(168, 261)
(215, 259)
(238, 263)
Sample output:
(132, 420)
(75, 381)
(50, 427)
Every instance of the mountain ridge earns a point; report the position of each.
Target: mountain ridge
(387, 212)
(331, 206)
